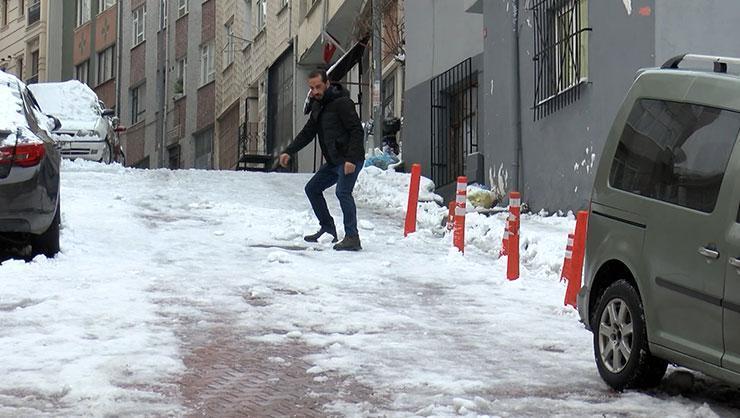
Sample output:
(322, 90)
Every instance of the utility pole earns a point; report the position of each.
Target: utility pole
(378, 72)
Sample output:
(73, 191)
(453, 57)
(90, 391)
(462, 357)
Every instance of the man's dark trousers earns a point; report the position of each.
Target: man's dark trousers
(328, 175)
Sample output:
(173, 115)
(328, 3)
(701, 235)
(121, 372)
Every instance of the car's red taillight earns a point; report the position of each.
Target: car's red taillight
(24, 155)
(29, 155)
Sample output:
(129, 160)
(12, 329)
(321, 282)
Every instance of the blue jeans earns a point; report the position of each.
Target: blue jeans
(327, 176)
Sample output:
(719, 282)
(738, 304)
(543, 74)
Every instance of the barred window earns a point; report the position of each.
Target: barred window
(561, 53)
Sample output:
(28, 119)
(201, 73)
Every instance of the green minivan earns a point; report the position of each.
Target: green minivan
(662, 268)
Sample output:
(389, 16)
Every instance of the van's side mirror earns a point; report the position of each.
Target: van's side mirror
(108, 113)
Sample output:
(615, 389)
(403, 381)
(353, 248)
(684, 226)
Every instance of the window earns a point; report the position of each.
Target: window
(229, 49)
(675, 152)
(138, 107)
(203, 150)
(139, 25)
(83, 12)
(181, 68)
(82, 72)
(560, 53)
(4, 12)
(34, 12)
(248, 18)
(104, 5)
(34, 66)
(261, 14)
(106, 65)
(182, 8)
(162, 14)
(207, 73)
(389, 99)
(21, 7)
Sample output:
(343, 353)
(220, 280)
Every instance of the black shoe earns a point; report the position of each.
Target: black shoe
(349, 243)
(315, 237)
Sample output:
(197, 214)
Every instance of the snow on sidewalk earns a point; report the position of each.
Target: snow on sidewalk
(98, 330)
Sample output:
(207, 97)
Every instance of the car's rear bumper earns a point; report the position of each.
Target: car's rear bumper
(28, 199)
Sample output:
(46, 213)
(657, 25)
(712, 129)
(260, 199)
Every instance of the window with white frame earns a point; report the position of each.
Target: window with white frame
(163, 14)
(182, 8)
(82, 72)
(207, 73)
(83, 12)
(104, 5)
(138, 107)
(261, 14)
(106, 65)
(139, 25)
(229, 49)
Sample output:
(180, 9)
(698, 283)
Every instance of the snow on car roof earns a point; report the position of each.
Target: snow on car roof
(68, 101)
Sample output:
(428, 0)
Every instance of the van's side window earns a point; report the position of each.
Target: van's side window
(675, 152)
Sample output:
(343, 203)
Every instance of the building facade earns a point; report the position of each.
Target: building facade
(33, 45)
(547, 92)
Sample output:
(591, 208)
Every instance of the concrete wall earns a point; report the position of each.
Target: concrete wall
(701, 27)
(439, 35)
(560, 151)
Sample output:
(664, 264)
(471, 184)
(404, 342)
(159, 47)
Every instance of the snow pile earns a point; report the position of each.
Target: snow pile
(70, 101)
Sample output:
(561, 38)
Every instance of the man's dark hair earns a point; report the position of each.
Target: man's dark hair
(319, 73)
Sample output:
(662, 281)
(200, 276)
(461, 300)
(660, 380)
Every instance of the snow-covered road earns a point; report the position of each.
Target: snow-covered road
(151, 258)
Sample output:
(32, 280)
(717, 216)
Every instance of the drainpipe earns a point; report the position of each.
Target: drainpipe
(517, 102)
(119, 52)
(165, 98)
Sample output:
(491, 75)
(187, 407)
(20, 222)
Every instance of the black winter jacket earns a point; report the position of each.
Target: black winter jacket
(335, 121)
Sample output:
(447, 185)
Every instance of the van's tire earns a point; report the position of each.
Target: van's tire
(48, 242)
(620, 334)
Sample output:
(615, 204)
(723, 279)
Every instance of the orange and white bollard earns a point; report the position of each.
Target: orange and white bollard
(505, 241)
(565, 274)
(410, 225)
(460, 204)
(579, 252)
(451, 216)
(512, 268)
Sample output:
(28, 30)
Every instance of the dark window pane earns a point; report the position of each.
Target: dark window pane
(675, 152)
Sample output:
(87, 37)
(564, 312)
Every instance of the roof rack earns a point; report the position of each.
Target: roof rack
(720, 63)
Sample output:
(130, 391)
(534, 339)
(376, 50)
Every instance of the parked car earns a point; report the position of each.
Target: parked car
(662, 279)
(86, 130)
(29, 172)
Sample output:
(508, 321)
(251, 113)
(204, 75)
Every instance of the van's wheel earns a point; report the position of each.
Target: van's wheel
(107, 154)
(48, 242)
(620, 341)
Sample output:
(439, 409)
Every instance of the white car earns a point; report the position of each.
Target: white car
(86, 130)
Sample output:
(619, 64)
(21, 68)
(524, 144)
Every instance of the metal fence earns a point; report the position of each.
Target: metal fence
(560, 53)
(454, 119)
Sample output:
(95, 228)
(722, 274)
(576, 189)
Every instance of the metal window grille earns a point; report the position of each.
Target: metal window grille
(560, 57)
(454, 119)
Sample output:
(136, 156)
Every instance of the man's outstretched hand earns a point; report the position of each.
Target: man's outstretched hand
(349, 168)
(284, 160)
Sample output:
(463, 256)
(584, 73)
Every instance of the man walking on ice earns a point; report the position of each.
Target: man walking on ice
(334, 119)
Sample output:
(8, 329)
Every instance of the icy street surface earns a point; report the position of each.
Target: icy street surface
(179, 293)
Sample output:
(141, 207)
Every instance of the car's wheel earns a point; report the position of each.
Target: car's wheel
(620, 341)
(107, 154)
(48, 242)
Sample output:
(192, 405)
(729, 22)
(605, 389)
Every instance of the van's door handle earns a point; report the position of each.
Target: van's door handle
(735, 262)
(709, 253)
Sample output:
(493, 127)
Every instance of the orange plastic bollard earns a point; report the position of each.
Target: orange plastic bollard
(512, 268)
(565, 274)
(410, 226)
(505, 241)
(579, 252)
(460, 203)
(451, 216)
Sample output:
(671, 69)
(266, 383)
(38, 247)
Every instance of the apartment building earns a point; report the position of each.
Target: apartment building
(33, 45)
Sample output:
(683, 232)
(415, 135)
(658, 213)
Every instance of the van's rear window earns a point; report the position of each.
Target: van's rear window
(675, 152)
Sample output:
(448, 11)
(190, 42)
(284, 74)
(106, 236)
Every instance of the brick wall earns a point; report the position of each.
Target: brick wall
(229, 138)
(206, 105)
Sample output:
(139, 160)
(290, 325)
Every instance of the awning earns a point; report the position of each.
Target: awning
(339, 69)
